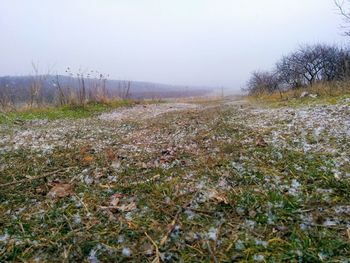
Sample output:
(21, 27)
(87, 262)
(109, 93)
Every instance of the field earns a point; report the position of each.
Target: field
(208, 181)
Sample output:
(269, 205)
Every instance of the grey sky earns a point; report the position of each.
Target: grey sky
(194, 42)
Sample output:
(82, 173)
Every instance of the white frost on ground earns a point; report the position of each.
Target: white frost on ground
(44, 136)
(142, 112)
(306, 129)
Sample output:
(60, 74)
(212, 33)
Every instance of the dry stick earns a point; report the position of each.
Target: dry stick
(212, 253)
(84, 205)
(171, 227)
(157, 258)
(27, 180)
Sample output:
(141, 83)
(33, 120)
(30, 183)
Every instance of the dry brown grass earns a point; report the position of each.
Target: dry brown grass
(322, 90)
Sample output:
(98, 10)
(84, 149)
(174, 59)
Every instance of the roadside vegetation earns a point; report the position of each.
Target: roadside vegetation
(61, 112)
(322, 69)
(320, 93)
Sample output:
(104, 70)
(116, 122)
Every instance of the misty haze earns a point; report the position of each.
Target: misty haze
(175, 131)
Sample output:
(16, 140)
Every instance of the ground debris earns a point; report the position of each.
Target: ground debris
(178, 182)
(60, 190)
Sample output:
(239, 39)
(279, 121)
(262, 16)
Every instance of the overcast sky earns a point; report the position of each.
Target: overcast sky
(191, 42)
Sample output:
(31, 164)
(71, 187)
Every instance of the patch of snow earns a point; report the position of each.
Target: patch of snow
(92, 258)
(190, 214)
(250, 224)
(126, 252)
(121, 239)
(212, 234)
(331, 222)
(258, 258)
(260, 242)
(166, 256)
(306, 221)
(294, 188)
(239, 245)
(77, 219)
(4, 237)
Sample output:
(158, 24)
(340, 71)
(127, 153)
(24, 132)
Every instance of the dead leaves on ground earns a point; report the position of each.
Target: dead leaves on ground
(110, 155)
(217, 196)
(261, 142)
(60, 190)
(87, 160)
(85, 155)
(121, 203)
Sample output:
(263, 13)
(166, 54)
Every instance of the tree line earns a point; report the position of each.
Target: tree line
(304, 67)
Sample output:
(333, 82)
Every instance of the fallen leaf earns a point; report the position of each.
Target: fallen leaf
(110, 155)
(252, 213)
(115, 199)
(60, 190)
(114, 202)
(87, 160)
(261, 142)
(219, 197)
(127, 207)
(116, 165)
(98, 175)
(119, 202)
(42, 189)
(86, 149)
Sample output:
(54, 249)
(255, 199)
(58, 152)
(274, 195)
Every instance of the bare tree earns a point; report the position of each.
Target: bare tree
(334, 63)
(341, 5)
(7, 101)
(310, 61)
(36, 86)
(61, 95)
(304, 67)
(262, 81)
(289, 72)
(124, 89)
(311, 64)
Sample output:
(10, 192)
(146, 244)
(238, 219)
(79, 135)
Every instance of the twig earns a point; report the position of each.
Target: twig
(28, 180)
(84, 205)
(212, 253)
(171, 227)
(157, 258)
(201, 211)
(191, 247)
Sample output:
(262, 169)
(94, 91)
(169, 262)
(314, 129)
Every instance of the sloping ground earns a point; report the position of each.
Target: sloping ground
(178, 182)
(142, 112)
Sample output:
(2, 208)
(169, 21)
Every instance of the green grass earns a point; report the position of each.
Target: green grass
(55, 113)
(46, 229)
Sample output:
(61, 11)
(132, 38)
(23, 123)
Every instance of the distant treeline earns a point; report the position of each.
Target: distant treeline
(37, 90)
(304, 67)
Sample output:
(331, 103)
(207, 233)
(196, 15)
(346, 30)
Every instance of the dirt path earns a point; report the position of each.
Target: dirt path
(142, 112)
(243, 182)
(44, 136)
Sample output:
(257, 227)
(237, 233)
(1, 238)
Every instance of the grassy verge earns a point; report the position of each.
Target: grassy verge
(319, 94)
(54, 113)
